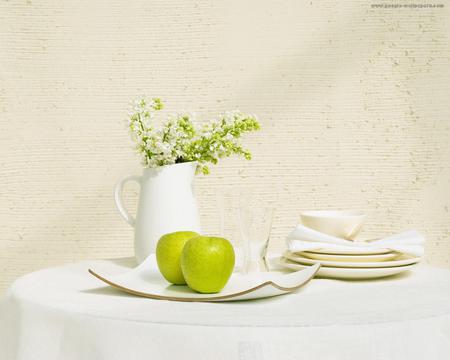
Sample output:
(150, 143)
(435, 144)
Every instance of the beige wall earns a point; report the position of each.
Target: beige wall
(354, 102)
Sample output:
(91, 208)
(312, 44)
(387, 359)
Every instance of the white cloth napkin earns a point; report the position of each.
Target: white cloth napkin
(303, 238)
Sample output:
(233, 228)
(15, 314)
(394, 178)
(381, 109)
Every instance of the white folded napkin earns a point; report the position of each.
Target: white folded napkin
(303, 238)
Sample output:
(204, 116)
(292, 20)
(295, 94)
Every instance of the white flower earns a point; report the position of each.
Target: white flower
(180, 138)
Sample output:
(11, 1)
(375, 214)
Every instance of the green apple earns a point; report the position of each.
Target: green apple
(207, 263)
(168, 253)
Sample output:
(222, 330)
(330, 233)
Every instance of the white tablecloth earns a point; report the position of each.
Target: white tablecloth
(65, 313)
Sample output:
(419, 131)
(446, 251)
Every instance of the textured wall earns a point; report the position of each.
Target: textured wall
(353, 100)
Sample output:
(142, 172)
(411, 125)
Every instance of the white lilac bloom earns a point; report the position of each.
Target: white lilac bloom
(180, 139)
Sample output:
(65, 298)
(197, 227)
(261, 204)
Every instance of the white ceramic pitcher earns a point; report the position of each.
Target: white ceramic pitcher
(166, 204)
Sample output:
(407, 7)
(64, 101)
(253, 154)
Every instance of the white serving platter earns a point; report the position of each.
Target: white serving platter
(401, 261)
(347, 273)
(349, 258)
(145, 280)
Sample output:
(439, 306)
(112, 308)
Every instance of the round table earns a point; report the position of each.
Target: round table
(65, 313)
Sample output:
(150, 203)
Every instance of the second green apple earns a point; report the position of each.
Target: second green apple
(207, 263)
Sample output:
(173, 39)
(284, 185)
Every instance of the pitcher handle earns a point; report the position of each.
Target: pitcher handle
(118, 190)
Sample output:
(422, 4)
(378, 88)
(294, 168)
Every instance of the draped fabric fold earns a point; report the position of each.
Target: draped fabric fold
(303, 238)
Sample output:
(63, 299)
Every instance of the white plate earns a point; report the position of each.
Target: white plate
(349, 258)
(348, 273)
(146, 280)
(350, 250)
(403, 260)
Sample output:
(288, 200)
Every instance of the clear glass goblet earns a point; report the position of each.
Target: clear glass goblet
(246, 219)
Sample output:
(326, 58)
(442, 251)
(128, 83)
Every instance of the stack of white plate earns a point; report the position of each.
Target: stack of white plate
(356, 263)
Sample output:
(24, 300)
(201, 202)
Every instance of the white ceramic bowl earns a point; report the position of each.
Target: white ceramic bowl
(341, 223)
